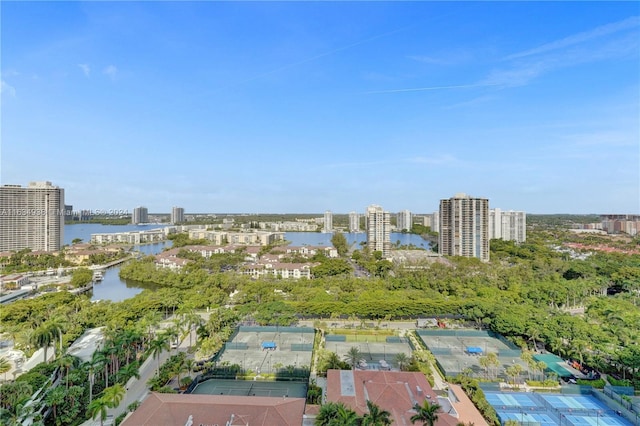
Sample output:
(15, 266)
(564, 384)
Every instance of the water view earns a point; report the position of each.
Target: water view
(113, 288)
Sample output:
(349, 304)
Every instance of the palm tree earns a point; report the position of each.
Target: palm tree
(99, 360)
(514, 371)
(333, 362)
(493, 359)
(5, 366)
(66, 362)
(402, 360)
(113, 395)
(190, 364)
(157, 346)
(353, 357)
(128, 371)
(56, 326)
(327, 414)
(484, 363)
(42, 337)
(345, 417)
(376, 416)
(427, 413)
(98, 407)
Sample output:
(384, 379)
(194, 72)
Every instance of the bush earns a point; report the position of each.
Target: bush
(598, 384)
(615, 382)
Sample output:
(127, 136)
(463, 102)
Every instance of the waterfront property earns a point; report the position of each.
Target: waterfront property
(131, 237)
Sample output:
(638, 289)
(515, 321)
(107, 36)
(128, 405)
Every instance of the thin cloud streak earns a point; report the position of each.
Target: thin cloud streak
(603, 30)
(423, 89)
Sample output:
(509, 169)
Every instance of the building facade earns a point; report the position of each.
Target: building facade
(354, 222)
(177, 215)
(32, 217)
(464, 227)
(404, 220)
(507, 225)
(140, 215)
(378, 230)
(327, 224)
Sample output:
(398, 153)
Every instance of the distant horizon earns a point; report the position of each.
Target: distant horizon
(288, 106)
(319, 214)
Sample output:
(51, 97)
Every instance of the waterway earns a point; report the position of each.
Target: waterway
(113, 288)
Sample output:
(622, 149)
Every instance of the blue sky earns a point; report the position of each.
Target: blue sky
(306, 107)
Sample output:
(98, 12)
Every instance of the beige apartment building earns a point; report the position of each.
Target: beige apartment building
(31, 217)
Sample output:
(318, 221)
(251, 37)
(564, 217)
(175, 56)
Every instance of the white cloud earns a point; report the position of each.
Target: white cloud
(86, 69)
(423, 89)
(111, 71)
(7, 88)
(582, 37)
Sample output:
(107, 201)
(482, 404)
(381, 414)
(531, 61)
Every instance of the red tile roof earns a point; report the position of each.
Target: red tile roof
(174, 409)
(394, 391)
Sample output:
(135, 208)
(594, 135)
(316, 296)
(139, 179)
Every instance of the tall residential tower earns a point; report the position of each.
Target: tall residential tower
(404, 220)
(508, 225)
(31, 217)
(354, 222)
(378, 230)
(140, 215)
(464, 227)
(177, 215)
(328, 222)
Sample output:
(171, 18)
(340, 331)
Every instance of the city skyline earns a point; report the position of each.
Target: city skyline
(302, 107)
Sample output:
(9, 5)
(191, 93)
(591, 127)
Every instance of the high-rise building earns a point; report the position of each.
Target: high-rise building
(177, 215)
(464, 227)
(508, 225)
(435, 222)
(140, 215)
(404, 220)
(378, 230)
(328, 222)
(354, 222)
(31, 217)
(68, 213)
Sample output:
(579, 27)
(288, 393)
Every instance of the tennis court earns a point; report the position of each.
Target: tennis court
(553, 409)
(251, 388)
(459, 350)
(377, 355)
(270, 349)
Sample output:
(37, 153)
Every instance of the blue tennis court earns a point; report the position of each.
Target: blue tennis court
(580, 402)
(553, 409)
(526, 418)
(510, 400)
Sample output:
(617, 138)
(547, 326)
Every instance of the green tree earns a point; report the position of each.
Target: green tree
(340, 243)
(55, 397)
(5, 366)
(353, 357)
(376, 416)
(113, 395)
(427, 413)
(156, 347)
(327, 414)
(81, 277)
(402, 360)
(98, 408)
